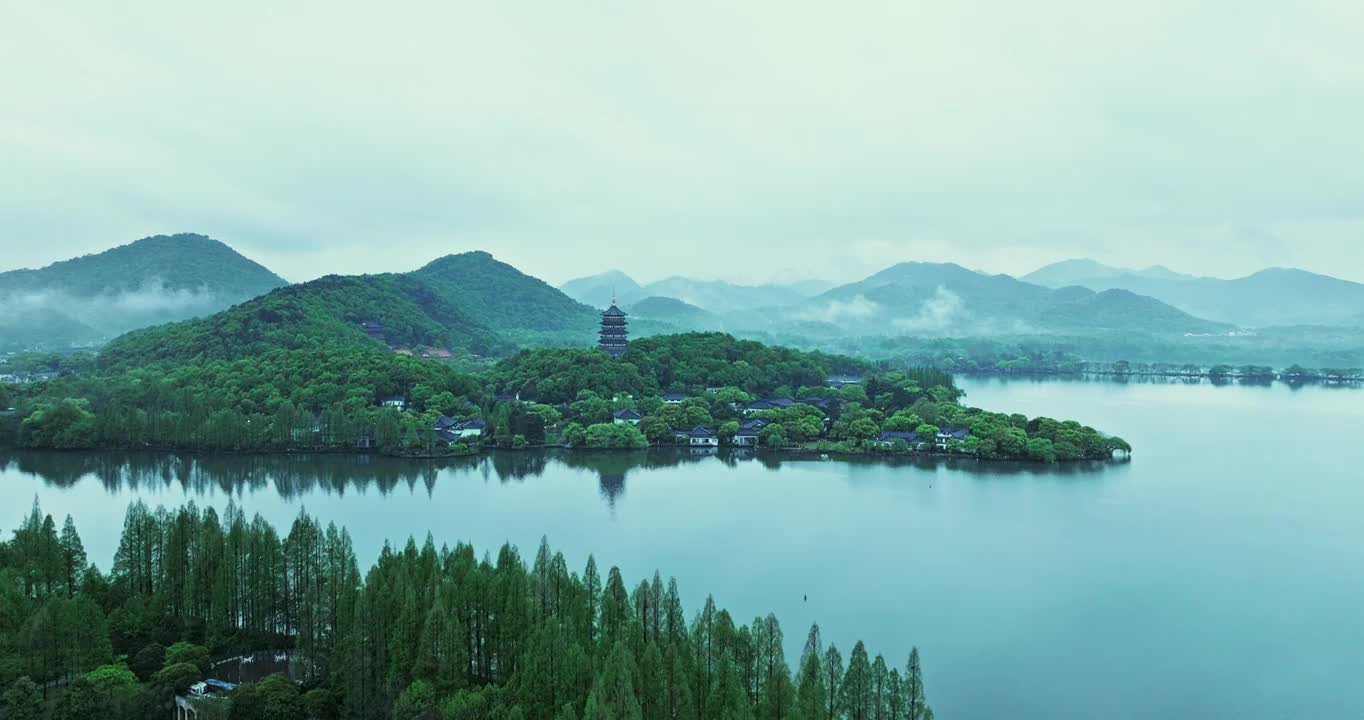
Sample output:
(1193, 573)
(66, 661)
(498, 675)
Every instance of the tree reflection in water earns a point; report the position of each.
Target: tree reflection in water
(293, 476)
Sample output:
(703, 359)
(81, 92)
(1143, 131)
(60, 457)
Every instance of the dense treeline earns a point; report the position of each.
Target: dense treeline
(561, 375)
(1341, 350)
(694, 361)
(337, 400)
(324, 398)
(689, 362)
(283, 399)
(44, 362)
(425, 633)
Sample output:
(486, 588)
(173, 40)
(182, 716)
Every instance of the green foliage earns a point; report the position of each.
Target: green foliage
(42, 362)
(22, 701)
(508, 299)
(328, 398)
(612, 435)
(175, 262)
(76, 296)
(109, 678)
(322, 314)
(425, 633)
(148, 661)
(613, 693)
(299, 399)
(185, 652)
(178, 677)
(274, 698)
(695, 361)
(80, 701)
(64, 425)
(556, 376)
(417, 702)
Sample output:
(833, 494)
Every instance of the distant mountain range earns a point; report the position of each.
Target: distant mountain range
(1272, 297)
(475, 303)
(934, 298)
(715, 296)
(672, 310)
(946, 299)
(153, 280)
(597, 290)
(1078, 272)
(910, 298)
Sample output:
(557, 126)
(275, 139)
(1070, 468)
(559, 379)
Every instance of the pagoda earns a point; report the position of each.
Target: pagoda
(613, 333)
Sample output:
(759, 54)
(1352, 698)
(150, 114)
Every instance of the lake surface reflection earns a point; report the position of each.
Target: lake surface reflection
(1218, 574)
(298, 476)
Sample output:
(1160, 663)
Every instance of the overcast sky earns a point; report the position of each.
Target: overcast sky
(743, 141)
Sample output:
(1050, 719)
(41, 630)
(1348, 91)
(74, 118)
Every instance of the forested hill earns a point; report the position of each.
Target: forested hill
(154, 280)
(519, 305)
(468, 302)
(185, 261)
(325, 313)
(688, 362)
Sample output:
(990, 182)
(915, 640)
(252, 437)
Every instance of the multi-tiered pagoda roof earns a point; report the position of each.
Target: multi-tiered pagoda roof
(613, 336)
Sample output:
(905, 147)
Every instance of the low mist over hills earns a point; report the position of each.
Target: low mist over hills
(947, 299)
(935, 299)
(154, 280)
(324, 313)
(597, 290)
(674, 311)
(1275, 296)
(469, 302)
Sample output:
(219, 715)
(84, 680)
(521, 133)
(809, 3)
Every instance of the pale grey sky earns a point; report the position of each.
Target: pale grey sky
(737, 140)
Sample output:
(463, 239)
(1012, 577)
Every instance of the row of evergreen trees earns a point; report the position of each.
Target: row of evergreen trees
(426, 633)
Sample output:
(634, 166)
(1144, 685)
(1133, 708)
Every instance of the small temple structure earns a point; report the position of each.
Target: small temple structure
(613, 333)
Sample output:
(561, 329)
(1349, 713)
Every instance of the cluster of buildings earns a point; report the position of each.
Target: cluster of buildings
(613, 338)
(748, 435)
(452, 430)
(750, 428)
(942, 441)
(25, 378)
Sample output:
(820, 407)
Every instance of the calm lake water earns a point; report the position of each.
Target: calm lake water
(1218, 574)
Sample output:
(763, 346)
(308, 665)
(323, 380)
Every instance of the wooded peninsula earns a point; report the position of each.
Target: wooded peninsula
(693, 389)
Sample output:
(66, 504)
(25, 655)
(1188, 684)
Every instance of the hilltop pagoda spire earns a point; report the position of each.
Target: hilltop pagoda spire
(614, 336)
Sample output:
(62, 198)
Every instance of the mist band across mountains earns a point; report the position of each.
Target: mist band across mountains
(90, 299)
(914, 313)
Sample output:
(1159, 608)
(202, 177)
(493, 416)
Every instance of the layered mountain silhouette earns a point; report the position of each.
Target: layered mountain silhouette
(1275, 296)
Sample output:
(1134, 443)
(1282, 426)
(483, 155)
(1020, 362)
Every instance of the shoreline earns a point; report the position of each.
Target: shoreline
(803, 453)
(1231, 379)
